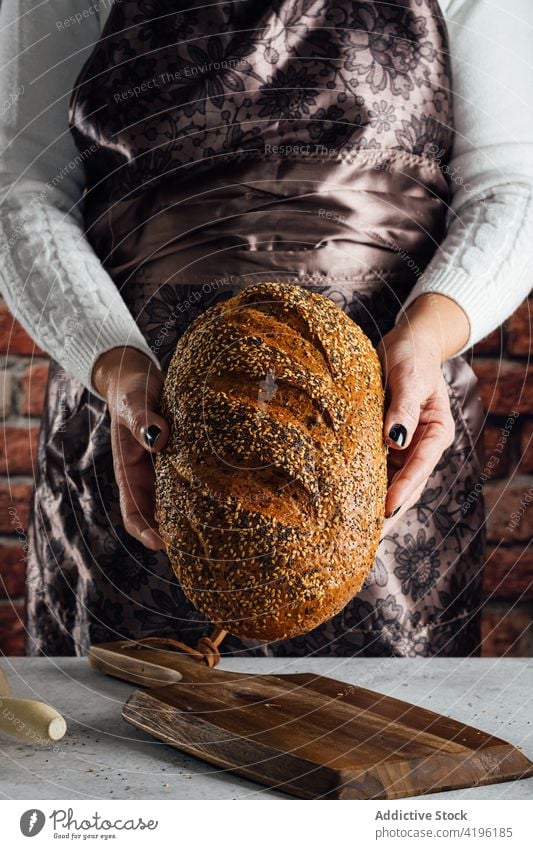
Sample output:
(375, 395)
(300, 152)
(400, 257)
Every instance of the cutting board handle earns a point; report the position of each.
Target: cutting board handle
(148, 663)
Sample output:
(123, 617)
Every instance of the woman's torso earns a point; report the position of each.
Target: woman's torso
(290, 140)
(171, 220)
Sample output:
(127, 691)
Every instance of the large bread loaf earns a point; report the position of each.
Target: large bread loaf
(271, 490)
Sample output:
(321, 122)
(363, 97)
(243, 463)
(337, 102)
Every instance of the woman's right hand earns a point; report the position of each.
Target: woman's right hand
(131, 385)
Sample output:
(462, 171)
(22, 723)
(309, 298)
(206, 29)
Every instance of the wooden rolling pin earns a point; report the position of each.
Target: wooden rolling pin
(28, 719)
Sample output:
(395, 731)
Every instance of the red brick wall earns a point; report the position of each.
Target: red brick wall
(501, 362)
(23, 375)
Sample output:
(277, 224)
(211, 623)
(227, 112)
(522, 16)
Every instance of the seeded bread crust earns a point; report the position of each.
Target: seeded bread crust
(270, 493)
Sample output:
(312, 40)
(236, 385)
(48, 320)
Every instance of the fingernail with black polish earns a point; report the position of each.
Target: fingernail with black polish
(390, 515)
(398, 434)
(151, 435)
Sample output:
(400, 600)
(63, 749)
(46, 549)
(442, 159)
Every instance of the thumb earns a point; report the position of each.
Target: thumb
(405, 393)
(136, 411)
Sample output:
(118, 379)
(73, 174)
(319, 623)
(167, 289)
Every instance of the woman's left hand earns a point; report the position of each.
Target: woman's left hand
(418, 424)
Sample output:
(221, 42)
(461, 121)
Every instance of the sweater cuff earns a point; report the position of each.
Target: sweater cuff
(460, 287)
(83, 348)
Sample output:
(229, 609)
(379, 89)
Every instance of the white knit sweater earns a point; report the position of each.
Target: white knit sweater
(55, 284)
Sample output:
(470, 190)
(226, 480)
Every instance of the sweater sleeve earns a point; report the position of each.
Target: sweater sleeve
(485, 261)
(50, 276)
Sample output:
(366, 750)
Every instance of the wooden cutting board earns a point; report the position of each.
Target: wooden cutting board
(304, 734)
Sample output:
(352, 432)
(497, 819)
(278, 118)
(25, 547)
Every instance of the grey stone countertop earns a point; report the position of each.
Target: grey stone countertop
(103, 757)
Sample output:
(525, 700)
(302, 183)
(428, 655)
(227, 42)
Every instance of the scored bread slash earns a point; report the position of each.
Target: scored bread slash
(270, 493)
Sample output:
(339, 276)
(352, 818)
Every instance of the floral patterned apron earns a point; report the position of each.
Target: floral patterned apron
(225, 144)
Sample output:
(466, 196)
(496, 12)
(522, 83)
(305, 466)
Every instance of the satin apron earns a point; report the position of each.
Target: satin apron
(223, 145)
